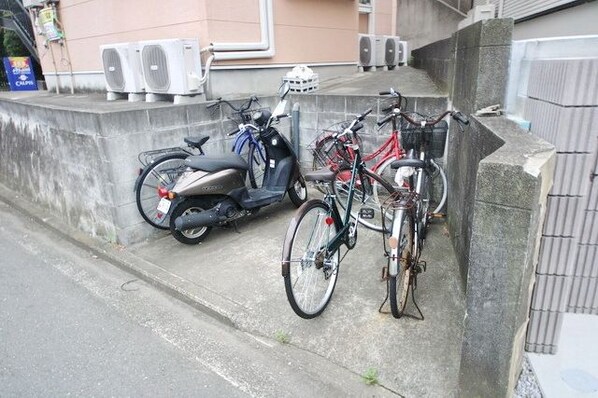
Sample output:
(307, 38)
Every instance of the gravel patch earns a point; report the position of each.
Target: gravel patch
(527, 386)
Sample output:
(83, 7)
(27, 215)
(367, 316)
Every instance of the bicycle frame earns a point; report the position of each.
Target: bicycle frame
(344, 224)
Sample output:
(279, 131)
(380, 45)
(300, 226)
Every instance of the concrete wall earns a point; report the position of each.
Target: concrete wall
(421, 22)
(499, 180)
(507, 197)
(77, 156)
(435, 58)
(320, 111)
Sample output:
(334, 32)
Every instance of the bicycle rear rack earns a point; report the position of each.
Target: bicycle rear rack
(148, 157)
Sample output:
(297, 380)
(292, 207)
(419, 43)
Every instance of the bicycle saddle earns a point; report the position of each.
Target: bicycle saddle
(324, 174)
(417, 163)
(216, 163)
(197, 141)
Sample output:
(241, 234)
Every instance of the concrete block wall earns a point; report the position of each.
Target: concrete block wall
(319, 112)
(499, 180)
(435, 59)
(505, 207)
(79, 159)
(561, 103)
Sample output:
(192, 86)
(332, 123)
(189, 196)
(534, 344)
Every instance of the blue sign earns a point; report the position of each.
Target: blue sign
(19, 72)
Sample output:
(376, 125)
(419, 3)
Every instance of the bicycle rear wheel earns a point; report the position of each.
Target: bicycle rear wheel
(309, 272)
(161, 173)
(376, 191)
(401, 259)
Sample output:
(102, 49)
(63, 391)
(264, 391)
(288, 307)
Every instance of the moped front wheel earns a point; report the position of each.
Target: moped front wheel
(189, 236)
(298, 192)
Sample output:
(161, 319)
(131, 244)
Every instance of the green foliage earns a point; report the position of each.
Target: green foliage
(370, 377)
(282, 337)
(12, 45)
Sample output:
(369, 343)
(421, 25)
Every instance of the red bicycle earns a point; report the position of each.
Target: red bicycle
(335, 154)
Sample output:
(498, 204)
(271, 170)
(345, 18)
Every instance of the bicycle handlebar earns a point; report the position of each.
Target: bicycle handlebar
(458, 116)
(242, 108)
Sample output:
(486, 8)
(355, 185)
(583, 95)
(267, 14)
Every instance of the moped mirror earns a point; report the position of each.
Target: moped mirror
(284, 90)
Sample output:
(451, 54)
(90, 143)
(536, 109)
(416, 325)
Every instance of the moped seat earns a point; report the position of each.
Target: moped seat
(216, 163)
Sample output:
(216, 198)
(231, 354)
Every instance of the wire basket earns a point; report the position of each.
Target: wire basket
(328, 150)
(402, 199)
(432, 137)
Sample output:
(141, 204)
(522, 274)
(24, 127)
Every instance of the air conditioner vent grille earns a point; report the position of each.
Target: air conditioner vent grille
(365, 51)
(390, 49)
(113, 69)
(155, 68)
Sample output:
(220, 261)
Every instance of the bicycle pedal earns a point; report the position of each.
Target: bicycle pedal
(438, 215)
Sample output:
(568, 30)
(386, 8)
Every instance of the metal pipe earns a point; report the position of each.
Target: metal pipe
(262, 49)
(296, 112)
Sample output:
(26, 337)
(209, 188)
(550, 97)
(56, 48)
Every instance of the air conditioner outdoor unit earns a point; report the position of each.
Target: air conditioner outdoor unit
(122, 68)
(171, 66)
(367, 50)
(387, 51)
(403, 52)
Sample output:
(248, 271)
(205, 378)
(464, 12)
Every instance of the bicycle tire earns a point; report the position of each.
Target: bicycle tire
(381, 191)
(160, 173)
(309, 281)
(257, 164)
(398, 285)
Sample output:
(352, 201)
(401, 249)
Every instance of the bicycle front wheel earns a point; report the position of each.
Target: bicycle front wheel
(161, 173)
(257, 163)
(401, 242)
(309, 270)
(372, 192)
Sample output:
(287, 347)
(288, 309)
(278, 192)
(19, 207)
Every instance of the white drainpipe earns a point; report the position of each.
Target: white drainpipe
(262, 49)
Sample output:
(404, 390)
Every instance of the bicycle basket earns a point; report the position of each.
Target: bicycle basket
(327, 150)
(438, 139)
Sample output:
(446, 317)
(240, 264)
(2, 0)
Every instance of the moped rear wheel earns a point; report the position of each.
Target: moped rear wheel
(189, 236)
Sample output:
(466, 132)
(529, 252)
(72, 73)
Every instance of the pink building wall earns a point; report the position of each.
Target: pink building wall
(306, 31)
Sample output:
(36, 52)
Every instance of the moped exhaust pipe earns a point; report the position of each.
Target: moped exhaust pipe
(217, 214)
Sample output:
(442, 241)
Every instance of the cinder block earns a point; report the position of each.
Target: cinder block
(544, 329)
(586, 264)
(584, 293)
(125, 122)
(563, 215)
(557, 255)
(589, 232)
(332, 103)
(168, 117)
(571, 174)
(551, 293)
(567, 82)
(593, 196)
